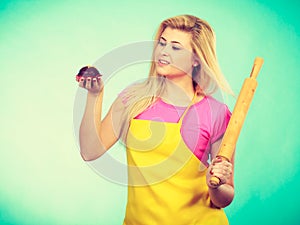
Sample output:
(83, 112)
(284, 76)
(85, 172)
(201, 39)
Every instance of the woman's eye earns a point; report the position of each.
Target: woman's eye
(161, 43)
(175, 47)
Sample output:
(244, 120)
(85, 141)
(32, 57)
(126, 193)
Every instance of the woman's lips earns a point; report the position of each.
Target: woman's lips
(163, 62)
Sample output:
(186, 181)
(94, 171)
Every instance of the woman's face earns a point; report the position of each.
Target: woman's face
(173, 54)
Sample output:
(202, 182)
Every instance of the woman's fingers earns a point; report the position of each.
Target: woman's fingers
(89, 78)
(92, 84)
(221, 169)
(82, 82)
(88, 84)
(222, 173)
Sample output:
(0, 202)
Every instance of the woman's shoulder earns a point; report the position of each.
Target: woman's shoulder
(215, 102)
(129, 92)
(211, 102)
(215, 109)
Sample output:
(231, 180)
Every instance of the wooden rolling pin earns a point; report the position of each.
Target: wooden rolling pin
(238, 116)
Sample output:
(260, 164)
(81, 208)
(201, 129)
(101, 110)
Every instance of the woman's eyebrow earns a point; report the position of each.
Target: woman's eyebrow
(176, 42)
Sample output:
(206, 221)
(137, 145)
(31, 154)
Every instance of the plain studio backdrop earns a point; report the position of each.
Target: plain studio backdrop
(43, 44)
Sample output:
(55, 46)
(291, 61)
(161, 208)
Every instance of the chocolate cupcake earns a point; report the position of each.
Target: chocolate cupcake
(87, 71)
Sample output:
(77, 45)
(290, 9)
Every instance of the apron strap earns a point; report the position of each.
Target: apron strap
(187, 108)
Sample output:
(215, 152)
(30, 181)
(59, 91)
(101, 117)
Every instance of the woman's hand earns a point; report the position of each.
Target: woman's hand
(94, 85)
(221, 169)
(90, 78)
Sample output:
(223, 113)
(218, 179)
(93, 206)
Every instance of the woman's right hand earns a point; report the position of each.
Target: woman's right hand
(90, 78)
(94, 85)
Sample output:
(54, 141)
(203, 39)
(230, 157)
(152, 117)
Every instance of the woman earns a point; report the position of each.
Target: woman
(171, 127)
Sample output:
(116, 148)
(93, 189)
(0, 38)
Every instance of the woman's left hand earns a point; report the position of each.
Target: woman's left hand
(219, 168)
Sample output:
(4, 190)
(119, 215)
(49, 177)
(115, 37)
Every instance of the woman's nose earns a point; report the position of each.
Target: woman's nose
(166, 49)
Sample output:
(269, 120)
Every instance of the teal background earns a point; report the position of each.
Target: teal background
(44, 43)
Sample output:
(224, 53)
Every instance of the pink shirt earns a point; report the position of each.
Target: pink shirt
(204, 123)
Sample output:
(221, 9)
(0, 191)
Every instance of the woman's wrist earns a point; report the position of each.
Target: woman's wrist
(92, 94)
(222, 195)
(95, 95)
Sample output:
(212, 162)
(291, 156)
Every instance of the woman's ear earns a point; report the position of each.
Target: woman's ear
(195, 63)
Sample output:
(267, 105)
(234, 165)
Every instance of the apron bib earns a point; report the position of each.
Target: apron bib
(166, 181)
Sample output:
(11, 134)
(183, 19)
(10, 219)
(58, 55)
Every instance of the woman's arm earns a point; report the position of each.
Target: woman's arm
(96, 136)
(222, 195)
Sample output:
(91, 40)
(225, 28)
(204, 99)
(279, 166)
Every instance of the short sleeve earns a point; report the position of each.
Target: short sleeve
(125, 94)
(220, 119)
(122, 96)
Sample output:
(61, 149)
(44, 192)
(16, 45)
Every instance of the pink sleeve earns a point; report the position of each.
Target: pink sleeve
(121, 95)
(220, 120)
(124, 95)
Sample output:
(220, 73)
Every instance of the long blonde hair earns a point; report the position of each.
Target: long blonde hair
(207, 76)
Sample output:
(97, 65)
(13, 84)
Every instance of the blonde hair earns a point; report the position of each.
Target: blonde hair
(207, 76)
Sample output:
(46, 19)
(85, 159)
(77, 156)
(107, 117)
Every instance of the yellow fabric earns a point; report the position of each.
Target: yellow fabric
(166, 182)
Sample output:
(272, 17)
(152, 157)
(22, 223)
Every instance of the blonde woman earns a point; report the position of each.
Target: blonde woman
(171, 126)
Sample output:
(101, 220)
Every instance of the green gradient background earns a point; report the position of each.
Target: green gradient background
(44, 43)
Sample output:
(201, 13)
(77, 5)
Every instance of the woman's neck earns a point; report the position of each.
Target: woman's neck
(179, 91)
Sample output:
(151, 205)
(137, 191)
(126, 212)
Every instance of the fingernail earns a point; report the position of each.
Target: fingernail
(211, 172)
(218, 158)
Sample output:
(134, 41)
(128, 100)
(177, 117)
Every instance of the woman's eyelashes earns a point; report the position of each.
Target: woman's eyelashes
(162, 43)
(174, 47)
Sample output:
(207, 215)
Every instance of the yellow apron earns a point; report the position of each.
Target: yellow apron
(166, 181)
